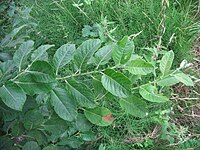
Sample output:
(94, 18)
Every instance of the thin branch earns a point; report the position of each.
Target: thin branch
(193, 115)
(84, 74)
(186, 98)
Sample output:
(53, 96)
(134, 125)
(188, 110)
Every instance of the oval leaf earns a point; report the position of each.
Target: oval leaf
(33, 119)
(31, 145)
(134, 106)
(8, 38)
(82, 124)
(42, 67)
(122, 51)
(100, 116)
(5, 56)
(85, 51)
(116, 83)
(166, 62)
(40, 52)
(63, 105)
(81, 93)
(149, 93)
(103, 55)
(185, 79)
(139, 67)
(13, 96)
(39, 79)
(63, 55)
(88, 136)
(168, 81)
(6, 68)
(21, 54)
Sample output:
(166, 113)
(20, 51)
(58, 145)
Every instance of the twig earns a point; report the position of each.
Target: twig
(135, 35)
(186, 98)
(193, 115)
(97, 99)
(148, 17)
(84, 74)
(162, 23)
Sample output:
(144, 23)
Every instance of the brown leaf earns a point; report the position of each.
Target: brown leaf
(108, 118)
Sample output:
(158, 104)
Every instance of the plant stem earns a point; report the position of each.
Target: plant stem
(84, 74)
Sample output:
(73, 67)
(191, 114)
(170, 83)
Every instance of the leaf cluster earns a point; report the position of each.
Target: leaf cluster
(41, 108)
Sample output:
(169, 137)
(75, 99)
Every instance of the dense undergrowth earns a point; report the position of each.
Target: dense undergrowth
(115, 63)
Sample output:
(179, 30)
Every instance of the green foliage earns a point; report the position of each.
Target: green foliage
(103, 55)
(58, 102)
(150, 93)
(81, 93)
(134, 106)
(99, 116)
(139, 67)
(116, 83)
(121, 53)
(166, 62)
(53, 104)
(184, 79)
(85, 51)
(13, 96)
(63, 56)
(63, 105)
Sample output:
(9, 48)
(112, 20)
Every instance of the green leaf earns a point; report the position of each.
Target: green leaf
(39, 79)
(100, 116)
(63, 55)
(6, 143)
(31, 87)
(5, 56)
(7, 68)
(122, 51)
(85, 51)
(102, 147)
(63, 105)
(31, 145)
(40, 52)
(17, 128)
(33, 119)
(99, 90)
(11, 35)
(88, 136)
(150, 93)
(39, 136)
(185, 79)
(134, 106)
(139, 67)
(103, 55)
(168, 81)
(6, 113)
(73, 142)
(81, 93)
(21, 54)
(50, 147)
(13, 96)
(86, 31)
(42, 67)
(56, 127)
(166, 62)
(116, 83)
(82, 124)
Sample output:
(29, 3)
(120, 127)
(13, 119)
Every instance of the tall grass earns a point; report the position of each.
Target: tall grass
(61, 22)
